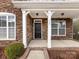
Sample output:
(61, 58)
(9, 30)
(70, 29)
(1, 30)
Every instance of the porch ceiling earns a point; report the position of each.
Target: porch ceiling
(57, 14)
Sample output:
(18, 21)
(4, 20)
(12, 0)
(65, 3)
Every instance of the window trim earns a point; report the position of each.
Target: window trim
(7, 27)
(58, 28)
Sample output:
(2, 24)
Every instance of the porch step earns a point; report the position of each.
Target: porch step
(38, 53)
(35, 53)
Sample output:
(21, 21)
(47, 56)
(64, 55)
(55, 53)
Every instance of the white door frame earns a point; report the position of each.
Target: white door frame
(37, 21)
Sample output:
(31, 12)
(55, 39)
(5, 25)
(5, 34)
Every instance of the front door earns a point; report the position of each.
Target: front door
(37, 28)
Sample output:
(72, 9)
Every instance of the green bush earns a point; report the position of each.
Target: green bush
(14, 50)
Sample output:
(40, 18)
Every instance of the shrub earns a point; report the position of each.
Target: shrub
(14, 50)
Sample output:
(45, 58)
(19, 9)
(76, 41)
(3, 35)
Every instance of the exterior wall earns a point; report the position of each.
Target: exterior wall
(29, 28)
(5, 1)
(44, 28)
(9, 8)
(64, 53)
(17, 12)
(69, 31)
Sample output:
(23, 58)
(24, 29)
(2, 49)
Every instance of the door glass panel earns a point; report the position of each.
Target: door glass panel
(37, 30)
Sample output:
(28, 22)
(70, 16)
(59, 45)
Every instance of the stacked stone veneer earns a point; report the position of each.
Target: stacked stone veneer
(69, 29)
(8, 7)
(64, 53)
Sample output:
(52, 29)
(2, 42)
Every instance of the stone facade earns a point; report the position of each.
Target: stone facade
(5, 1)
(64, 53)
(18, 13)
(69, 29)
(29, 28)
(7, 6)
(44, 28)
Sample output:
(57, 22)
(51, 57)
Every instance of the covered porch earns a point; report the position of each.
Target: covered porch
(55, 43)
(39, 29)
(49, 11)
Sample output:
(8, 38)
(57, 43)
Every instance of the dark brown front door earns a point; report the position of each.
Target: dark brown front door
(37, 30)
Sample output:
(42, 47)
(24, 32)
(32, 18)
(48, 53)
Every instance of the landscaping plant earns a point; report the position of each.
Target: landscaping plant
(14, 51)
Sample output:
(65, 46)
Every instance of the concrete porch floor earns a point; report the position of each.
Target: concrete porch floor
(55, 43)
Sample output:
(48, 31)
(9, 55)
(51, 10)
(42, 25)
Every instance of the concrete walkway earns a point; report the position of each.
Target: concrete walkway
(36, 54)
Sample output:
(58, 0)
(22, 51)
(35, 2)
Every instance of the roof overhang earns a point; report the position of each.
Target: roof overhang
(70, 9)
(46, 5)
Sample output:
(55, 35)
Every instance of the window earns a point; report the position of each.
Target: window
(7, 26)
(58, 27)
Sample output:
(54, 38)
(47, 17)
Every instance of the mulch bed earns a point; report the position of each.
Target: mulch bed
(2, 56)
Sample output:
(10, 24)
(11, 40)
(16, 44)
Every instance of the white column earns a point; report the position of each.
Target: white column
(49, 14)
(24, 27)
